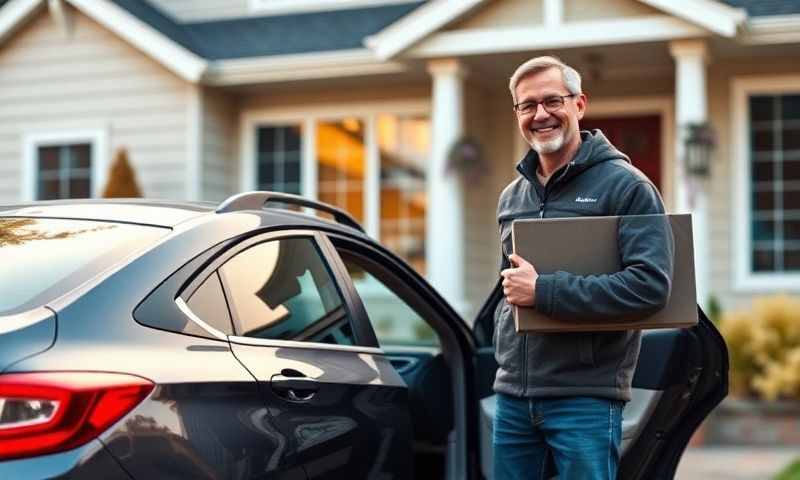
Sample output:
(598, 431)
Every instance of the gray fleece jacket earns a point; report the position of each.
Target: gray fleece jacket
(599, 181)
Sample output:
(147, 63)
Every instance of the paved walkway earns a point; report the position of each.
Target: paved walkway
(734, 463)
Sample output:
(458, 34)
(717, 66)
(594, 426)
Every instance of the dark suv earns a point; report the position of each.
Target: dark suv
(144, 339)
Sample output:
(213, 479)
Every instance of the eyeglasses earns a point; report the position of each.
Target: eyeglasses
(550, 104)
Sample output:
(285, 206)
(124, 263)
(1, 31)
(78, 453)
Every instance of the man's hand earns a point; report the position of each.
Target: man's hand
(519, 283)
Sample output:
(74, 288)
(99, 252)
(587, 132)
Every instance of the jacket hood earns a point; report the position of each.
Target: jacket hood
(595, 148)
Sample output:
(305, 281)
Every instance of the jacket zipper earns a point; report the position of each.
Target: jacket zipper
(525, 338)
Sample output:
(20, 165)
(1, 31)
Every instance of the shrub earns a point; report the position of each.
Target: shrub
(764, 348)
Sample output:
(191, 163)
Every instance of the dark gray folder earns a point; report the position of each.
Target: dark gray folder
(588, 246)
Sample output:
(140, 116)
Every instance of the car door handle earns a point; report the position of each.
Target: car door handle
(296, 389)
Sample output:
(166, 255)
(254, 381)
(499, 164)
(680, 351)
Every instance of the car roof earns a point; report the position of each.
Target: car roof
(161, 213)
(147, 212)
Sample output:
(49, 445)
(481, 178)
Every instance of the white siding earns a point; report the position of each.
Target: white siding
(580, 10)
(507, 13)
(91, 79)
(490, 122)
(220, 145)
(200, 10)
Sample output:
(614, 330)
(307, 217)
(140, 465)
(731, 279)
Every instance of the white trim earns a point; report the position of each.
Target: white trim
(301, 66)
(415, 26)
(771, 30)
(633, 106)
(574, 34)
(714, 16)
(173, 56)
(194, 143)
(553, 12)
(744, 280)
(14, 13)
(280, 7)
(97, 137)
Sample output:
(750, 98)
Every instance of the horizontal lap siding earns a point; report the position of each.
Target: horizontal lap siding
(220, 145)
(91, 79)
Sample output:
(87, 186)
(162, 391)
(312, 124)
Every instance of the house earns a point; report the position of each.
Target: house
(360, 103)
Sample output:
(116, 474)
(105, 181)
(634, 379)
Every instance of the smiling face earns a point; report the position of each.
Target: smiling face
(549, 133)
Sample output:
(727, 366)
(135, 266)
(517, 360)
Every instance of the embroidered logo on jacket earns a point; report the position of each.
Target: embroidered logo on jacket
(586, 200)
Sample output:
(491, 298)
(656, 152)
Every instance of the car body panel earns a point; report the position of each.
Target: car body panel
(88, 461)
(26, 334)
(344, 411)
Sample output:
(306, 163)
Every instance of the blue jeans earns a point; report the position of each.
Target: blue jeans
(583, 434)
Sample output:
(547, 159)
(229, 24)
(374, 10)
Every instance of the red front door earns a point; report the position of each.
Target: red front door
(638, 137)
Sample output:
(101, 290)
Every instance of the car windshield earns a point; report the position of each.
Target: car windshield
(43, 258)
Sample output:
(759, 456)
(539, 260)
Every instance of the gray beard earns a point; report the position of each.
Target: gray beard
(548, 147)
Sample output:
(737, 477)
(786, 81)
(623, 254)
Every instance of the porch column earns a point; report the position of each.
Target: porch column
(691, 192)
(444, 237)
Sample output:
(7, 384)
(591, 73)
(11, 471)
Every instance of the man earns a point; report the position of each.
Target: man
(563, 393)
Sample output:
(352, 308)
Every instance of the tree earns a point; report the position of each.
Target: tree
(121, 180)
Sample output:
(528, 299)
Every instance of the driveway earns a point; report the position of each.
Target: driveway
(734, 463)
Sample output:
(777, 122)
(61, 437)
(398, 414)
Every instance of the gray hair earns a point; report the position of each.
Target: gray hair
(572, 79)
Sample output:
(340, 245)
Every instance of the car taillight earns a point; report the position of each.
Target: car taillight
(48, 412)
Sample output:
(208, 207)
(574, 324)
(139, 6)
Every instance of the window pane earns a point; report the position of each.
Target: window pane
(763, 230)
(49, 190)
(48, 158)
(791, 260)
(80, 156)
(763, 140)
(791, 170)
(791, 230)
(404, 145)
(763, 260)
(283, 290)
(278, 158)
(208, 303)
(341, 158)
(394, 321)
(64, 171)
(763, 171)
(791, 138)
(791, 200)
(79, 188)
(764, 200)
(761, 108)
(790, 106)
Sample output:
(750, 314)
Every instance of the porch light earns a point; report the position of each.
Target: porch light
(698, 146)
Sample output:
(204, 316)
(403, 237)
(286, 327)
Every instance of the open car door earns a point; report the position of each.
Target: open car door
(681, 376)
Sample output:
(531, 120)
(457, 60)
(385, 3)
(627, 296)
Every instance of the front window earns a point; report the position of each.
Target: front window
(372, 165)
(775, 183)
(45, 258)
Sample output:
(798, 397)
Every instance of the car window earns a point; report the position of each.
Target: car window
(208, 304)
(44, 258)
(394, 321)
(282, 289)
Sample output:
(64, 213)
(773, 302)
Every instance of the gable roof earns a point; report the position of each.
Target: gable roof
(711, 15)
(187, 48)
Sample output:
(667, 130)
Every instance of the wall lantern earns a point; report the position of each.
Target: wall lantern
(698, 146)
